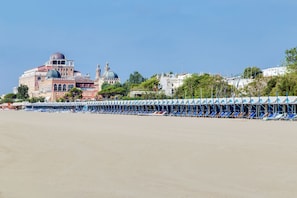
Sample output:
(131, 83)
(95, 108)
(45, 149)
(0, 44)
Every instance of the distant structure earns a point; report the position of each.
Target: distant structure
(240, 82)
(56, 77)
(274, 71)
(168, 83)
(108, 76)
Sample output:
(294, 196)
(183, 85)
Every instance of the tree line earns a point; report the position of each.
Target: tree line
(209, 86)
(195, 86)
(276, 85)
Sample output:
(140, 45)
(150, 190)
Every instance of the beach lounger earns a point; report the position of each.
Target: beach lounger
(220, 114)
(241, 115)
(206, 114)
(270, 116)
(228, 114)
(213, 114)
(290, 116)
(251, 115)
(234, 114)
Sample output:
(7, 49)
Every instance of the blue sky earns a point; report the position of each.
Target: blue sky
(155, 36)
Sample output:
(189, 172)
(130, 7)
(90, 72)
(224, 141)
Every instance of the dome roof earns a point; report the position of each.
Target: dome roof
(108, 75)
(53, 74)
(57, 55)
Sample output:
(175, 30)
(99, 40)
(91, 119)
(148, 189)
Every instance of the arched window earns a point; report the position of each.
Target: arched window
(64, 87)
(60, 87)
(55, 87)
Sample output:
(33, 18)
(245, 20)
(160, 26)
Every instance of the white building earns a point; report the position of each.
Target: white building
(274, 71)
(239, 82)
(170, 82)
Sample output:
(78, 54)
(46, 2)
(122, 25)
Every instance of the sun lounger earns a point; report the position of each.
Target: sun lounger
(200, 114)
(290, 116)
(251, 115)
(273, 116)
(241, 115)
(206, 114)
(228, 114)
(213, 114)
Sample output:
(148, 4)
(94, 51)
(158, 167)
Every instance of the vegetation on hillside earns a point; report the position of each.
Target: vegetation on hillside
(277, 85)
(195, 86)
(204, 86)
(252, 72)
(207, 85)
(112, 91)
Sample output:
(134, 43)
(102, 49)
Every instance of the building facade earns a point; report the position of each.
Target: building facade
(168, 83)
(58, 75)
(274, 71)
(107, 76)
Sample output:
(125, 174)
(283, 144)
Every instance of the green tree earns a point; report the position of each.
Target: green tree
(9, 98)
(287, 85)
(150, 84)
(271, 86)
(113, 91)
(291, 55)
(252, 72)
(205, 86)
(23, 92)
(73, 95)
(104, 85)
(135, 78)
(254, 88)
(37, 99)
(291, 59)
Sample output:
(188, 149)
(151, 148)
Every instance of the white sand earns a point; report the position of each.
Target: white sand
(52, 155)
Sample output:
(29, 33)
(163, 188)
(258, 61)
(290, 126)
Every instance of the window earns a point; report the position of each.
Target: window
(64, 87)
(70, 87)
(60, 87)
(55, 87)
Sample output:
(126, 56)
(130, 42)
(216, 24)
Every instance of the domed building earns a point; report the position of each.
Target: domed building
(108, 76)
(59, 63)
(55, 78)
(57, 56)
(53, 74)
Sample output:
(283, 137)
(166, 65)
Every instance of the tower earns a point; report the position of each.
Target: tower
(107, 68)
(98, 72)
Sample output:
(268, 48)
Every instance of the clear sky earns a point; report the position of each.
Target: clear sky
(148, 36)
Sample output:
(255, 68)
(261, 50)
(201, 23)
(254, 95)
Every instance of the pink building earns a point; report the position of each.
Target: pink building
(57, 76)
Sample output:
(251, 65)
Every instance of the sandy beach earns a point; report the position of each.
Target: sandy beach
(68, 155)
